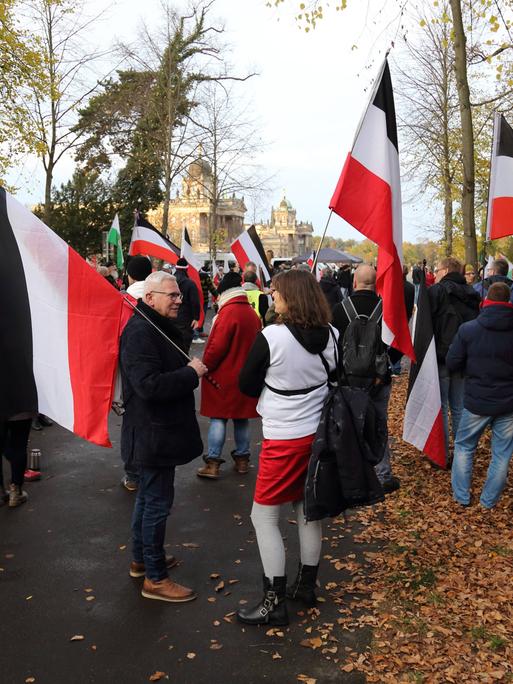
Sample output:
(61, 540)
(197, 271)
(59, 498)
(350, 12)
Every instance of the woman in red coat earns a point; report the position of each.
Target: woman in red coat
(231, 337)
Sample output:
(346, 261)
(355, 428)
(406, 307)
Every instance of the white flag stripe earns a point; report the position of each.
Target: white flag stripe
(503, 178)
(47, 287)
(187, 253)
(423, 405)
(148, 235)
(374, 150)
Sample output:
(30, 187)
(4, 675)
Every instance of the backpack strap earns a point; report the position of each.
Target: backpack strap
(377, 313)
(349, 308)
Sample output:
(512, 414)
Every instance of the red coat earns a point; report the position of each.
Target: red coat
(229, 342)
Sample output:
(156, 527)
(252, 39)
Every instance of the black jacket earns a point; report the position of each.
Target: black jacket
(190, 307)
(483, 351)
(452, 302)
(341, 468)
(160, 427)
(331, 290)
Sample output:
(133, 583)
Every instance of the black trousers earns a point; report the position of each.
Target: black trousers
(14, 435)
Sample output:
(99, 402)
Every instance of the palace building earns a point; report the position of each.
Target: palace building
(192, 208)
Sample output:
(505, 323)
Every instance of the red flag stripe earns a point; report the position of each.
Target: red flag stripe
(434, 447)
(94, 314)
(152, 249)
(374, 219)
(501, 221)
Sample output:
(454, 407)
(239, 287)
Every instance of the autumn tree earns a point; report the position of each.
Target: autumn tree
(20, 71)
(230, 143)
(61, 30)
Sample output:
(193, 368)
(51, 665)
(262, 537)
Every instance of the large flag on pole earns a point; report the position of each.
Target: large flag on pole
(193, 270)
(368, 196)
(248, 247)
(423, 421)
(114, 238)
(59, 328)
(500, 195)
(147, 240)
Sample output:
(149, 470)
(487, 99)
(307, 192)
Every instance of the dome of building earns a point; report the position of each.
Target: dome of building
(199, 168)
(285, 204)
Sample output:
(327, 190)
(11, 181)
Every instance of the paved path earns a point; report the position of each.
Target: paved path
(64, 571)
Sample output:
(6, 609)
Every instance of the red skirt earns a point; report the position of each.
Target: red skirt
(282, 470)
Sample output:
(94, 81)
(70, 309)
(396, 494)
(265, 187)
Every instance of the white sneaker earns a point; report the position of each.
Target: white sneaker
(198, 340)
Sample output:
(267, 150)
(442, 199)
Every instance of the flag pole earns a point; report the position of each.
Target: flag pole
(314, 265)
(178, 348)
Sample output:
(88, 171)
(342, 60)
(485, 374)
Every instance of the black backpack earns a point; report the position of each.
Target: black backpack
(363, 352)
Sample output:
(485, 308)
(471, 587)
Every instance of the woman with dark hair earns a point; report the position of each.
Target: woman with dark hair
(288, 368)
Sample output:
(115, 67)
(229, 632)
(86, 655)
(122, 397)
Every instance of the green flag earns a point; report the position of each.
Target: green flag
(114, 238)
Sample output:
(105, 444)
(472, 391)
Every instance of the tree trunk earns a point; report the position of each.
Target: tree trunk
(448, 222)
(47, 213)
(467, 135)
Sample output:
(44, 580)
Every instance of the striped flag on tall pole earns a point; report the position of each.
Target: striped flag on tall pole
(368, 196)
(114, 238)
(147, 240)
(248, 247)
(500, 194)
(423, 421)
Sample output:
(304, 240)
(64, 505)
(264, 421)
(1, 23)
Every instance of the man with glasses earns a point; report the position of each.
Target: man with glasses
(452, 303)
(158, 392)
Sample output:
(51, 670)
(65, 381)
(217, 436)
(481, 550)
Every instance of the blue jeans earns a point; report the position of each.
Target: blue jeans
(452, 386)
(380, 400)
(152, 505)
(217, 437)
(470, 430)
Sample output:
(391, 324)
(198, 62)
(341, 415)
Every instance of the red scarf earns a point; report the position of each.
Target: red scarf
(490, 302)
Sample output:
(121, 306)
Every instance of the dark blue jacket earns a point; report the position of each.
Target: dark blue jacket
(482, 287)
(483, 351)
(159, 424)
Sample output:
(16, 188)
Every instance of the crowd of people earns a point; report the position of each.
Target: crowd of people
(276, 353)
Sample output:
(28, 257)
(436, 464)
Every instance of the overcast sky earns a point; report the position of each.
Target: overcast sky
(309, 96)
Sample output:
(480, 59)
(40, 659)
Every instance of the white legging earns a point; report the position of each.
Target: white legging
(265, 520)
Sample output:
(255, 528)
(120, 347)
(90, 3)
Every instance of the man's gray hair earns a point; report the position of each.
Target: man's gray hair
(156, 279)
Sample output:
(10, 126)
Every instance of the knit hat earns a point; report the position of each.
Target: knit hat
(231, 279)
(182, 264)
(139, 268)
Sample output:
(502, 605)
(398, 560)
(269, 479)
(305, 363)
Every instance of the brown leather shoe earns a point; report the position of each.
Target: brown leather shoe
(166, 590)
(210, 470)
(138, 569)
(241, 464)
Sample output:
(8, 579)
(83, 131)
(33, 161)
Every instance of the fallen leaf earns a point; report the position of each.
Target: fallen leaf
(28, 598)
(191, 655)
(88, 591)
(306, 679)
(220, 586)
(30, 680)
(313, 642)
(9, 555)
(77, 637)
(123, 547)
(237, 516)
(216, 623)
(216, 647)
(190, 545)
(215, 575)
(211, 599)
(156, 676)
(233, 581)
(90, 598)
(276, 656)
(347, 668)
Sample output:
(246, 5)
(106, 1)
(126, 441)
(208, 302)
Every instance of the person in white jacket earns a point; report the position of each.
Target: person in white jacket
(288, 368)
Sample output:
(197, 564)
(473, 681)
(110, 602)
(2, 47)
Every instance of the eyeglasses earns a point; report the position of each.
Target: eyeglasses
(173, 296)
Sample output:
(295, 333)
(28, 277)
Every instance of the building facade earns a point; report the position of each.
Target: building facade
(192, 208)
(284, 234)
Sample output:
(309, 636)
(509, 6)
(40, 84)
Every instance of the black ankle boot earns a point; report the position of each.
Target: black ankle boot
(304, 585)
(272, 609)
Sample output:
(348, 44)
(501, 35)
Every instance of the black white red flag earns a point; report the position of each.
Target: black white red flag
(248, 247)
(423, 421)
(500, 195)
(59, 328)
(368, 196)
(148, 241)
(193, 271)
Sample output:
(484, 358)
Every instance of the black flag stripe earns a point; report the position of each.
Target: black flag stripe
(505, 142)
(384, 100)
(18, 393)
